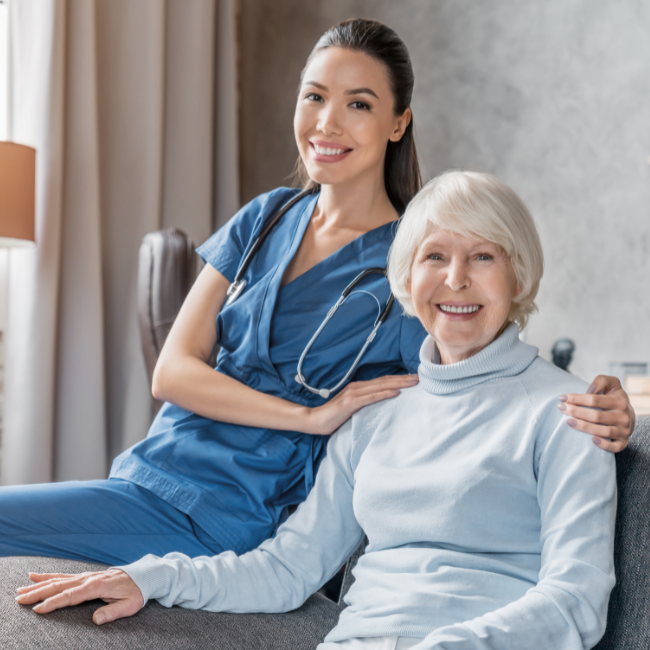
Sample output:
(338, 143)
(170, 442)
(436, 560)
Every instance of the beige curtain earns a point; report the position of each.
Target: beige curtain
(118, 98)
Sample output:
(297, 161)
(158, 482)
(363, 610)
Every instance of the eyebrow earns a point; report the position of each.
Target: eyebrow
(352, 91)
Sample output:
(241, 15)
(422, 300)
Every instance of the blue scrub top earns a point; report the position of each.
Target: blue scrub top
(237, 481)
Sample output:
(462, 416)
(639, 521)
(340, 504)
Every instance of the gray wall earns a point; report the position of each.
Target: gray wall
(552, 96)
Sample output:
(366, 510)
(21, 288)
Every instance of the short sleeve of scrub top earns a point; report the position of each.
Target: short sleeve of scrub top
(225, 249)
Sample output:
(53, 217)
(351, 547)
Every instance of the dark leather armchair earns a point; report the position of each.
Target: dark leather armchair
(167, 268)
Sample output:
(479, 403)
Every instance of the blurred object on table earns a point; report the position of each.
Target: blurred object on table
(562, 352)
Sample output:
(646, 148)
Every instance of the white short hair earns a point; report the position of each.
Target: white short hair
(474, 205)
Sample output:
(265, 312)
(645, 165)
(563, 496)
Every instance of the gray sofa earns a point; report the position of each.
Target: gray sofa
(157, 628)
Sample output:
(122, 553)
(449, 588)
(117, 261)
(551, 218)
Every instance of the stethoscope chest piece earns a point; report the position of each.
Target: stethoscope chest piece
(323, 392)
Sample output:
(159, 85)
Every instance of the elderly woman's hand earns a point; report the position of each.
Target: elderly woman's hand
(56, 590)
(612, 425)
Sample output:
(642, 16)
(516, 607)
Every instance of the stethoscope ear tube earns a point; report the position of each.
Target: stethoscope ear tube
(238, 284)
(386, 310)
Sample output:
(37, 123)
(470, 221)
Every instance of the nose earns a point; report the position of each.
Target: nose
(457, 275)
(329, 120)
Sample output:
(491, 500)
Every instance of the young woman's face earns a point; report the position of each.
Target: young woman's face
(462, 291)
(344, 116)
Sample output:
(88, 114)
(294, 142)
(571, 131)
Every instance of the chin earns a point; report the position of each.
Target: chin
(327, 176)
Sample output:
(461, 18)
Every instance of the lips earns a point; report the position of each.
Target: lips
(328, 151)
(459, 309)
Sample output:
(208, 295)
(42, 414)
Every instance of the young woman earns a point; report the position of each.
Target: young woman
(231, 450)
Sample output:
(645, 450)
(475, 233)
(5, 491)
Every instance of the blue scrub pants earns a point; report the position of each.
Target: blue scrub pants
(111, 521)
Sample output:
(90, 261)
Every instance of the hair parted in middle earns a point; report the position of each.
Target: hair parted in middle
(478, 206)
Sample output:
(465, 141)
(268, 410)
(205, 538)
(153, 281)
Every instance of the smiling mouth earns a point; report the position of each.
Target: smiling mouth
(328, 151)
(459, 309)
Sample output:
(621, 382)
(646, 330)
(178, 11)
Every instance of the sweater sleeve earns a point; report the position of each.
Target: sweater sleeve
(567, 609)
(283, 571)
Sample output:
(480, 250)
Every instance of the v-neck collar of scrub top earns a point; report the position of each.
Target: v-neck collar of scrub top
(337, 258)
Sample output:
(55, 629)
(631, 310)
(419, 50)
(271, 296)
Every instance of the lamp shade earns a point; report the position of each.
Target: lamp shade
(17, 194)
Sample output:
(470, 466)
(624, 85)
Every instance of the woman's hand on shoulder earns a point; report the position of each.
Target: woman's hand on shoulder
(612, 425)
(326, 419)
(57, 590)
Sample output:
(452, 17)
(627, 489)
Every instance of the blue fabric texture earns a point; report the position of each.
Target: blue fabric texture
(490, 521)
(111, 522)
(236, 482)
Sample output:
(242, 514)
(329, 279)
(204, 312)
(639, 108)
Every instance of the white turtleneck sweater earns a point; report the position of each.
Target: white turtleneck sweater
(490, 521)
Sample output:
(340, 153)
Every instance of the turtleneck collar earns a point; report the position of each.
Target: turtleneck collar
(506, 356)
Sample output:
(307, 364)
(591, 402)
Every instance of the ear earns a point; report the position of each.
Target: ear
(400, 125)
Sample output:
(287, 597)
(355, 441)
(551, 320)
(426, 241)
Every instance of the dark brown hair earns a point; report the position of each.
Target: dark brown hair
(401, 167)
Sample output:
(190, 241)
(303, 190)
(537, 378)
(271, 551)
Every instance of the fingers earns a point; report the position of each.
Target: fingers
(375, 396)
(611, 419)
(120, 609)
(52, 592)
(37, 593)
(43, 579)
(40, 577)
(605, 384)
(613, 402)
(112, 585)
(613, 424)
(613, 446)
(391, 382)
(601, 431)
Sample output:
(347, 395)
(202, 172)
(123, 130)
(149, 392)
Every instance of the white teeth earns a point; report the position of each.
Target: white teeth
(326, 151)
(460, 310)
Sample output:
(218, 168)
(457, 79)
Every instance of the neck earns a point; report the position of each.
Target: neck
(451, 354)
(361, 204)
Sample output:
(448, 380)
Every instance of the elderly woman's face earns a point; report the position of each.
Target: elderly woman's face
(462, 290)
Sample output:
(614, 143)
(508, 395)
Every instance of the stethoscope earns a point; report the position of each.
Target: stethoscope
(239, 284)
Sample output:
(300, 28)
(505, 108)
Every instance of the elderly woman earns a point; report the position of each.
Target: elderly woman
(490, 523)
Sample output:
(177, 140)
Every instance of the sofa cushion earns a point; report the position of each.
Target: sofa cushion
(154, 627)
(628, 621)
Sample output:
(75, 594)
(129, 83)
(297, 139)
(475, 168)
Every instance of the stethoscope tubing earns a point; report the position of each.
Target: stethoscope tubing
(382, 316)
(239, 284)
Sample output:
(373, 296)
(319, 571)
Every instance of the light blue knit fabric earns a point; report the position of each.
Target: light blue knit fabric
(490, 521)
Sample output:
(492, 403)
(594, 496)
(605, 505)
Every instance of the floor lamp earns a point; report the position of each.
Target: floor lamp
(17, 194)
(17, 208)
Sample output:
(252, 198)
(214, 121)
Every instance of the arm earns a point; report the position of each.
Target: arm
(278, 576)
(283, 571)
(567, 609)
(611, 425)
(183, 377)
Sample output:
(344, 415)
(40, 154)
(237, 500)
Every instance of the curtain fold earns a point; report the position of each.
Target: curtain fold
(118, 98)
(36, 83)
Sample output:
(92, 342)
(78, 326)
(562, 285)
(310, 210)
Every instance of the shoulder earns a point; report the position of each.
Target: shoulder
(545, 383)
(259, 208)
(265, 204)
(225, 247)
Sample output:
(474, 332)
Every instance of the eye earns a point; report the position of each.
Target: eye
(435, 257)
(484, 257)
(362, 106)
(313, 97)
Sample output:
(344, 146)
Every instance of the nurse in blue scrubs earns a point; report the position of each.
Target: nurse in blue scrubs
(234, 447)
